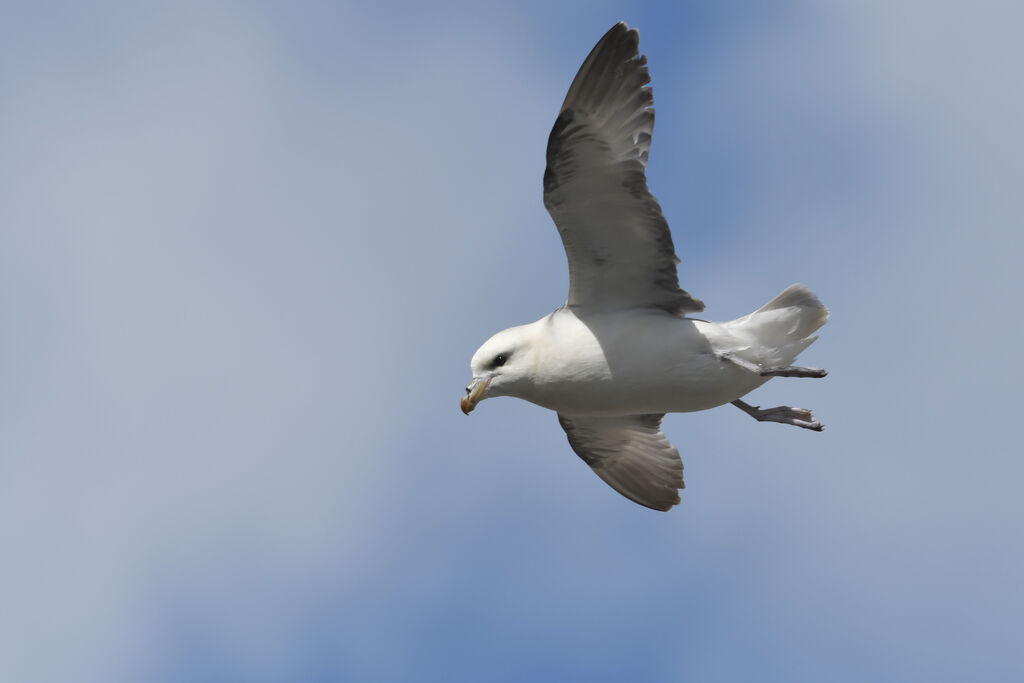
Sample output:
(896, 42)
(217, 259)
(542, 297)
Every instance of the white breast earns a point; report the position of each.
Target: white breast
(633, 362)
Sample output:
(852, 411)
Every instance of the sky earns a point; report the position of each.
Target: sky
(248, 249)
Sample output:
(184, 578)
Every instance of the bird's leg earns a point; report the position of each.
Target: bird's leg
(798, 417)
(776, 371)
(793, 371)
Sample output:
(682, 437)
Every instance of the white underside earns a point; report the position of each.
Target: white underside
(643, 361)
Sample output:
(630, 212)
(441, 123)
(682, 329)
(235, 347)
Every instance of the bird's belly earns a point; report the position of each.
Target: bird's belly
(672, 370)
(666, 393)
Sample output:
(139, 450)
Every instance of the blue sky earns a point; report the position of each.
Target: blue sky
(247, 250)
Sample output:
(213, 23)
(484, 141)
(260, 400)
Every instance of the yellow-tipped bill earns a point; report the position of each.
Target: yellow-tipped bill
(474, 394)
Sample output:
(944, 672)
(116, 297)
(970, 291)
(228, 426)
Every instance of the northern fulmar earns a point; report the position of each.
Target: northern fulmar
(621, 352)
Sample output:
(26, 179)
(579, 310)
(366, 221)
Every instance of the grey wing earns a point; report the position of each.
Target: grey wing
(617, 241)
(631, 454)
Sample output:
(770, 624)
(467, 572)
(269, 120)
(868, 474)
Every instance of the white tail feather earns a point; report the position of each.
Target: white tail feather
(782, 328)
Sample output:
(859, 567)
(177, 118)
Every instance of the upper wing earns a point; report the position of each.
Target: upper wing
(617, 240)
(631, 454)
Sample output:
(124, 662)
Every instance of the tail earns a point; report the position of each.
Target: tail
(783, 327)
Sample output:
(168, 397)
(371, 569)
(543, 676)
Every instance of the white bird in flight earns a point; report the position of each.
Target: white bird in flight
(621, 352)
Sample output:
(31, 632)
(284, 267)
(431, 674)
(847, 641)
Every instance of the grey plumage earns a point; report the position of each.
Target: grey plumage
(617, 241)
(631, 454)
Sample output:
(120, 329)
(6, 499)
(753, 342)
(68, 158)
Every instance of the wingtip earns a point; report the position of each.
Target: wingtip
(619, 32)
(659, 507)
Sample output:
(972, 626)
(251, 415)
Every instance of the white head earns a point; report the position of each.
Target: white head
(503, 366)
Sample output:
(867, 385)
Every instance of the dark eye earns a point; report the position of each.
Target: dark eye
(499, 360)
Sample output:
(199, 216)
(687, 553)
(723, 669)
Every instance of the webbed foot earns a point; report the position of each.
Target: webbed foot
(798, 417)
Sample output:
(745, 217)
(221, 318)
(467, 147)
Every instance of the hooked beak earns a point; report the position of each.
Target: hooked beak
(474, 394)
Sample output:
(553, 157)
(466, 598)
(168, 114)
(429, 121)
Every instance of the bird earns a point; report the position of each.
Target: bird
(622, 351)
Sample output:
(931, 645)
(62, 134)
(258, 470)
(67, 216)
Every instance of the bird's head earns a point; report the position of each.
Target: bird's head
(503, 366)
